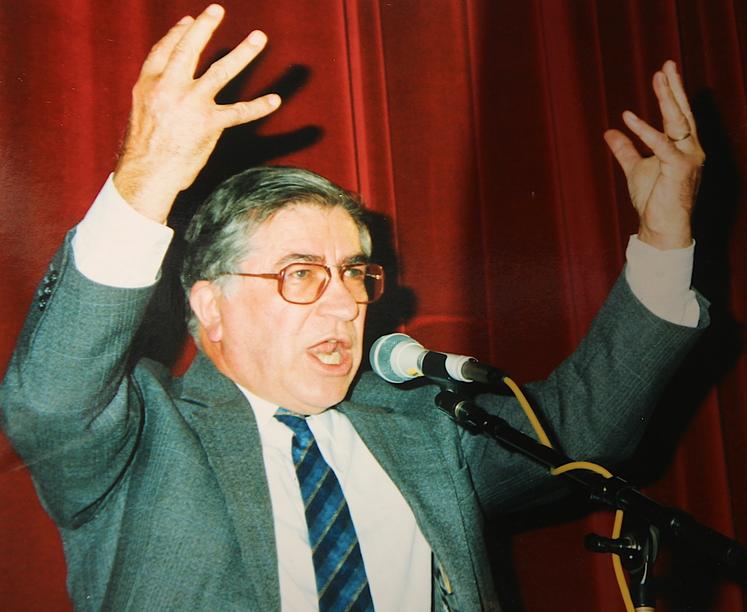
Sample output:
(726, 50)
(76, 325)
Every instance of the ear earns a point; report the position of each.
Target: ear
(203, 298)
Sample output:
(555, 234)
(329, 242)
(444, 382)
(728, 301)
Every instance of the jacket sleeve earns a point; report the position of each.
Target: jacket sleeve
(66, 402)
(595, 404)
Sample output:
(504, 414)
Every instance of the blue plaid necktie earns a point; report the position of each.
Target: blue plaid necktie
(341, 581)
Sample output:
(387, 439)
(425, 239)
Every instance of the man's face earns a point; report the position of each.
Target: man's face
(302, 357)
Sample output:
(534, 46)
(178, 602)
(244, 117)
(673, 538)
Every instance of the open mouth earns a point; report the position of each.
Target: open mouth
(329, 352)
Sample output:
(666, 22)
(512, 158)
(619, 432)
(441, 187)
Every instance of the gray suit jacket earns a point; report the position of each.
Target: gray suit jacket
(158, 487)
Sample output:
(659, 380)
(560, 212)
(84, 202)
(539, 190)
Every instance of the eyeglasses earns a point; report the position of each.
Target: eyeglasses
(304, 283)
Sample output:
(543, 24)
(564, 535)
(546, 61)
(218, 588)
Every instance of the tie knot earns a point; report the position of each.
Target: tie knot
(297, 424)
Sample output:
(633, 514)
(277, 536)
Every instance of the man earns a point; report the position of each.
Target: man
(191, 493)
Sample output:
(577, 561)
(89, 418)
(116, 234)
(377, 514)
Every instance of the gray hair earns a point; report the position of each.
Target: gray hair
(219, 236)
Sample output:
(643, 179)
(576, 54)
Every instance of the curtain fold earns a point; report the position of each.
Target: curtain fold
(473, 130)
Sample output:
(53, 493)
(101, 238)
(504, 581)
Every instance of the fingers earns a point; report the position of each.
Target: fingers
(244, 112)
(185, 54)
(175, 122)
(622, 148)
(674, 80)
(161, 51)
(676, 125)
(177, 53)
(662, 147)
(679, 134)
(225, 69)
(175, 57)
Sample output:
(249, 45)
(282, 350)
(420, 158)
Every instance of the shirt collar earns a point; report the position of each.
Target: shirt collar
(272, 431)
(264, 411)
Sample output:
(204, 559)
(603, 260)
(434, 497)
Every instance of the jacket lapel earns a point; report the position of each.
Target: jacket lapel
(403, 446)
(225, 424)
(406, 449)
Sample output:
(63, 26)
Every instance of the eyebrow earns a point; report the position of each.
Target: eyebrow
(297, 257)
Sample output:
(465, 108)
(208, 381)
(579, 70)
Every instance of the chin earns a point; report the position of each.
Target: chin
(324, 400)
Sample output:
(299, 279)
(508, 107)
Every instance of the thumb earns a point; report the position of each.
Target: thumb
(622, 148)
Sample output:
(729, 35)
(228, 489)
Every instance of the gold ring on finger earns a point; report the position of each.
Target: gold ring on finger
(681, 138)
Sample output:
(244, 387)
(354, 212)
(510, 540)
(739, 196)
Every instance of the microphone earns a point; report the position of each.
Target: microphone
(398, 358)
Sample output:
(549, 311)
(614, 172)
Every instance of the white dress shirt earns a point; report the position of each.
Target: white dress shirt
(114, 245)
(395, 553)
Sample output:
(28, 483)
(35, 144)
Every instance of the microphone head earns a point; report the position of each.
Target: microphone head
(396, 357)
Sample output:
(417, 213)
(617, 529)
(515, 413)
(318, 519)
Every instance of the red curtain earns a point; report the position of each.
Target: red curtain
(474, 127)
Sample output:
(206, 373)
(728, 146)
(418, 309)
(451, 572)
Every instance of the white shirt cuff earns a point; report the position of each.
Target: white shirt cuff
(117, 246)
(661, 281)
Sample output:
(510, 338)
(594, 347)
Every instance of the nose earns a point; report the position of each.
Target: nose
(337, 300)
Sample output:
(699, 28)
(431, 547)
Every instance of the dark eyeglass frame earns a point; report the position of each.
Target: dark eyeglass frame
(372, 269)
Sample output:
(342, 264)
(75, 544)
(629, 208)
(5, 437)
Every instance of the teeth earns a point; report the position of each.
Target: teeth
(333, 358)
(328, 352)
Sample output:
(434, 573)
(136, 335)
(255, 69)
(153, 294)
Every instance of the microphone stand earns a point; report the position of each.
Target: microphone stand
(637, 548)
(613, 492)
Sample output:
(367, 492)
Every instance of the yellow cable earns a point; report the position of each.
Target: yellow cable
(617, 564)
(577, 465)
(616, 529)
(524, 403)
(581, 465)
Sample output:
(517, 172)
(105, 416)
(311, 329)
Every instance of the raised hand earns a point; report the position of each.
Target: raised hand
(175, 123)
(662, 187)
